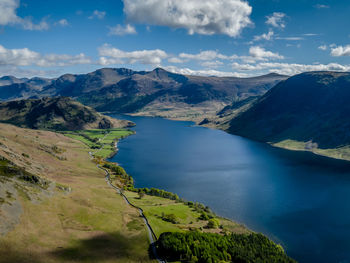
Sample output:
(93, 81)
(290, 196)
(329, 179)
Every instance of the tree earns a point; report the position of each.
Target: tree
(141, 194)
(213, 223)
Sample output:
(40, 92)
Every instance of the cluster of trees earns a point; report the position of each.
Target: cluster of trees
(195, 246)
(200, 208)
(118, 171)
(205, 212)
(155, 192)
(170, 218)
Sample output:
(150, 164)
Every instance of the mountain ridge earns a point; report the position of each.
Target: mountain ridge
(308, 111)
(156, 93)
(60, 113)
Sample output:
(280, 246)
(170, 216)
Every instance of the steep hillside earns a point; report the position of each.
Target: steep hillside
(59, 113)
(309, 111)
(156, 92)
(223, 117)
(55, 205)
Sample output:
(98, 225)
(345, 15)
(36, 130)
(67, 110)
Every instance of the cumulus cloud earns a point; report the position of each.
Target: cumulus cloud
(97, 14)
(205, 55)
(8, 11)
(119, 30)
(27, 57)
(289, 68)
(323, 47)
(266, 36)
(260, 53)
(211, 64)
(62, 22)
(210, 72)
(25, 72)
(340, 51)
(111, 55)
(206, 17)
(175, 60)
(276, 20)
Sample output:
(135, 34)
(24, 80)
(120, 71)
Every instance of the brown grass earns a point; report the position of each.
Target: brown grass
(85, 225)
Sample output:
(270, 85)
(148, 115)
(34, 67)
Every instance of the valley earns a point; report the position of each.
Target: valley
(285, 115)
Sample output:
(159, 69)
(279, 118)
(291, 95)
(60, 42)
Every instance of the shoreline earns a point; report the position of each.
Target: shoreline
(217, 215)
(275, 145)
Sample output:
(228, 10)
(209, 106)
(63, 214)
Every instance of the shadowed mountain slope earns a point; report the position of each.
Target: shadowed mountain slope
(60, 113)
(311, 106)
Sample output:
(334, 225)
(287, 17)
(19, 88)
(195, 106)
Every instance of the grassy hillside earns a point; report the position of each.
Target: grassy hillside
(306, 112)
(77, 218)
(60, 113)
(56, 205)
(101, 141)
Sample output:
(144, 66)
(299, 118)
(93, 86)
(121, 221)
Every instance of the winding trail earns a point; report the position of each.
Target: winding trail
(151, 235)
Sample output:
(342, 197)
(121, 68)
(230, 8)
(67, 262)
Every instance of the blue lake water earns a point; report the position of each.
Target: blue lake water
(299, 200)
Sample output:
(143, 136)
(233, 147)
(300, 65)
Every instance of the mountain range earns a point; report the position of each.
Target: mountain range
(156, 92)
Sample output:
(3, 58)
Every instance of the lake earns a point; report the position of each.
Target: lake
(296, 198)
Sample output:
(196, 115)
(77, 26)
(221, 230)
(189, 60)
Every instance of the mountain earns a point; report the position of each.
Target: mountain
(156, 92)
(308, 111)
(8, 80)
(60, 113)
(13, 88)
(223, 117)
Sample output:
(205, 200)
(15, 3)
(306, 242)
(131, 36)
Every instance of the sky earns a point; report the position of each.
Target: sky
(201, 37)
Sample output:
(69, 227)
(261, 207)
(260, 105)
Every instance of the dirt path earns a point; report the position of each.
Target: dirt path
(151, 235)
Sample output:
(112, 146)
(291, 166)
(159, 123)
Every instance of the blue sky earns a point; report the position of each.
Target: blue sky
(204, 37)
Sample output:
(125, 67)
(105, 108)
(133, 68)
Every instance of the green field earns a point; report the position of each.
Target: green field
(342, 153)
(102, 141)
(187, 218)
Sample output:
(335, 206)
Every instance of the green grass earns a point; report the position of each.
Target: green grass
(187, 217)
(101, 141)
(342, 153)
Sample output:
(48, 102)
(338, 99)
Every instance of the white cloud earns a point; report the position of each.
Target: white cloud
(206, 17)
(321, 6)
(290, 38)
(97, 14)
(260, 53)
(22, 73)
(27, 57)
(62, 22)
(205, 55)
(110, 55)
(323, 47)
(120, 30)
(175, 60)
(266, 36)
(340, 51)
(9, 17)
(211, 64)
(289, 68)
(211, 72)
(276, 20)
